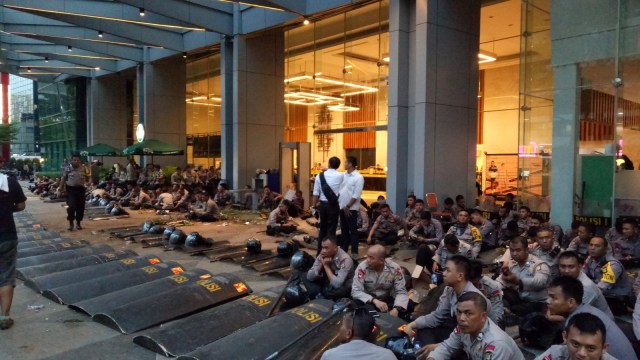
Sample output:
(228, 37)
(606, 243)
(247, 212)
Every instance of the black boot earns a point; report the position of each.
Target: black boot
(70, 228)
(78, 226)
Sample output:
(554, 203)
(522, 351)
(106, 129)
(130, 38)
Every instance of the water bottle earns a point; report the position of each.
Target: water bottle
(416, 346)
(434, 279)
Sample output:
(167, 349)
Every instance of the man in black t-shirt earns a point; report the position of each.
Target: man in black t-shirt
(12, 199)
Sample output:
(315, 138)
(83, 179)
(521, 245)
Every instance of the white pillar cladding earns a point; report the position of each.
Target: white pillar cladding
(164, 105)
(566, 112)
(258, 105)
(433, 88)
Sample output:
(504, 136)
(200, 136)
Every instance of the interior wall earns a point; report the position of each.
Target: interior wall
(501, 110)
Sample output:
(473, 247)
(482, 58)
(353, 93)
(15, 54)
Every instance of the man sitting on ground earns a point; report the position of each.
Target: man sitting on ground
(427, 231)
(467, 232)
(385, 229)
(223, 197)
(580, 244)
(279, 220)
(487, 230)
(490, 289)
(413, 218)
(140, 199)
(164, 200)
(331, 275)
(205, 209)
(627, 248)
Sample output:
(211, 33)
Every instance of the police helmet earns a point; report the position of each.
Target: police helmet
(177, 237)
(156, 229)
(295, 294)
(117, 211)
(95, 202)
(285, 249)
(103, 202)
(254, 246)
(301, 261)
(167, 232)
(109, 208)
(147, 225)
(195, 239)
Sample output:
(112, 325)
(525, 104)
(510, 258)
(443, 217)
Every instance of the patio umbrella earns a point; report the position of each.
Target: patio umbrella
(152, 147)
(101, 150)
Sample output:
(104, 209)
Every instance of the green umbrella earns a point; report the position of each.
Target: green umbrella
(152, 147)
(100, 150)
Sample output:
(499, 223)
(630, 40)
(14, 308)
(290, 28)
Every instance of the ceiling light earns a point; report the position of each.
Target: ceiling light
(386, 59)
(69, 48)
(306, 21)
(343, 107)
(100, 34)
(97, 68)
(485, 57)
(184, 55)
(249, 4)
(46, 59)
(29, 69)
(141, 11)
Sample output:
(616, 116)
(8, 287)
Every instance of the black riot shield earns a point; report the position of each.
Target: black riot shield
(22, 245)
(270, 264)
(64, 265)
(51, 248)
(39, 235)
(267, 337)
(186, 335)
(192, 295)
(62, 255)
(106, 278)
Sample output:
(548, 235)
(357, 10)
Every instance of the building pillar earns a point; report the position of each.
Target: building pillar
(226, 113)
(566, 102)
(438, 123)
(258, 105)
(4, 79)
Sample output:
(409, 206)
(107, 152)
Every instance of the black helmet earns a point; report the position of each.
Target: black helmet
(156, 229)
(177, 237)
(103, 202)
(167, 232)
(401, 347)
(195, 239)
(147, 225)
(254, 246)
(301, 261)
(295, 294)
(109, 208)
(285, 249)
(117, 210)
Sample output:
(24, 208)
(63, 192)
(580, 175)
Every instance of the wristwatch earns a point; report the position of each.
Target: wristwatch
(399, 308)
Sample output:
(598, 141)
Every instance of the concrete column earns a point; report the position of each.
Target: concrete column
(258, 104)
(164, 105)
(438, 123)
(566, 102)
(226, 121)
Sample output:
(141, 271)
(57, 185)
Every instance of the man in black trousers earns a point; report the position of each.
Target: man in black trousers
(326, 189)
(75, 176)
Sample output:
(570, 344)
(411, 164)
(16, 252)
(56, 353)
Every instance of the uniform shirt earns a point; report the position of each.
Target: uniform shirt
(334, 180)
(351, 188)
(390, 224)
(636, 318)
(581, 247)
(8, 201)
(165, 199)
(560, 352)
(610, 276)
(491, 343)
(488, 233)
(469, 234)
(593, 296)
(442, 254)
(550, 257)
(619, 345)
(142, 198)
(433, 232)
(176, 179)
(341, 267)
(408, 212)
(623, 247)
(358, 349)
(211, 207)
(446, 307)
(612, 235)
(277, 217)
(75, 176)
(492, 291)
(369, 284)
(223, 197)
(534, 275)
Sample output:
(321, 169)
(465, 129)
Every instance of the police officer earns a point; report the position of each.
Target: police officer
(428, 230)
(487, 230)
(476, 335)
(580, 243)
(73, 180)
(584, 338)
(355, 331)
(380, 283)
(467, 232)
(437, 325)
(490, 289)
(546, 249)
(385, 228)
(331, 274)
(524, 280)
(449, 247)
(609, 274)
(570, 264)
(627, 248)
(565, 299)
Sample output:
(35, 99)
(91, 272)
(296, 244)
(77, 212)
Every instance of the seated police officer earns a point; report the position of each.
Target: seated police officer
(379, 282)
(355, 334)
(427, 231)
(279, 220)
(490, 289)
(437, 325)
(467, 232)
(385, 228)
(580, 244)
(475, 334)
(565, 301)
(609, 274)
(331, 275)
(584, 338)
(524, 280)
(449, 247)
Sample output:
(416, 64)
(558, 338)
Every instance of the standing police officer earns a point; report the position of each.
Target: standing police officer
(380, 282)
(75, 176)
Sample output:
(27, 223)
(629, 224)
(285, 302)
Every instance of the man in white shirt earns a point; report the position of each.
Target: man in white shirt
(328, 205)
(349, 200)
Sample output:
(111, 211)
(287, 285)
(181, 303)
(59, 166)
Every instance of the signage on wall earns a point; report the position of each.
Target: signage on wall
(140, 133)
(595, 220)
